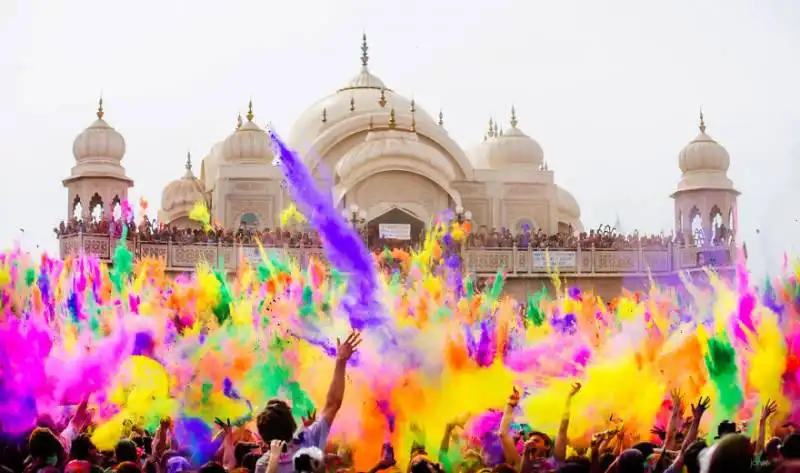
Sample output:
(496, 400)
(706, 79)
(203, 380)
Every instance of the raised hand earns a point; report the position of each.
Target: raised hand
(659, 432)
(513, 399)
(575, 389)
(677, 399)
(344, 351)
(310, 418)
(769, 408)
(276, 448)
(223, 424)
(701, 407)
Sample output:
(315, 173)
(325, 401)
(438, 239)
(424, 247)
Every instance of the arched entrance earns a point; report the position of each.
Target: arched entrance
(394, 228)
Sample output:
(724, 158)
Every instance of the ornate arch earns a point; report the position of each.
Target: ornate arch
(358, 124)
(379, 166)
(414, 209)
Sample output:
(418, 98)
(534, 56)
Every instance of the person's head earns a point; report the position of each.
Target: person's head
(78, 466)
(177, 464)
(242, 449)
(691, 457)
(574, 468)
(82, 448)
(126, 451)
(422, 464)
(790, 449)
(250, 459)
(44, 446)
(733, 454)
(472, 462)
(646, 448)
(537, 444)
(772, 450)
(504, 468)
(631, 461)
(726, 427)
(212, 467)
(606, 460)
(276, 422)
(309, 460)
(128, 467)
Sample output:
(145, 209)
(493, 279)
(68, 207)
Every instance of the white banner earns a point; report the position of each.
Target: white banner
(395, 231)
(557, 259)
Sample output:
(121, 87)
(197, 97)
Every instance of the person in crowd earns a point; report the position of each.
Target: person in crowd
(276, 421)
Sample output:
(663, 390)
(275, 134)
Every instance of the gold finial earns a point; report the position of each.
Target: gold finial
(513, 117)
(188, 160)
(441, 117)
(702, 122)
(494, 133)
(364, 50)
(392, 121)
(490, 133)
(239, 120)
(250, 115)
(382, 101)
(100, 111)
(413, 121)
(324, 115)
(413, 108)
(371, 122)
(352, 104)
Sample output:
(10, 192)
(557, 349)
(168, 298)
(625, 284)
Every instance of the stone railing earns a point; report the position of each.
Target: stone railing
(513, 261)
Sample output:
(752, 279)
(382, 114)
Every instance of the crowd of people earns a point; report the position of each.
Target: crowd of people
(149, 231)
(273, 443)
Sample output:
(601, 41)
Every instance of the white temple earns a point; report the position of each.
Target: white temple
(388, 160)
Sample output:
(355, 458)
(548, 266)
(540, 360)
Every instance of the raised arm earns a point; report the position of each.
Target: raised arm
(506, 439)
(769, 408)
(697, 415)
(336, 390)
(560, 448)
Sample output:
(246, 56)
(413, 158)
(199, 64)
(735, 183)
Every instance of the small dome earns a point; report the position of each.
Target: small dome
(99, 142)
(703, 154)
(567, 205)
(509, 148)
(248, 144)
(183, 193)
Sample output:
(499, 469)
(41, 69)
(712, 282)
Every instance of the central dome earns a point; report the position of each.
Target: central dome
(248, 144)
(365, 94)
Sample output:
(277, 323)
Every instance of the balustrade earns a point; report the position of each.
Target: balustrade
(516, 262)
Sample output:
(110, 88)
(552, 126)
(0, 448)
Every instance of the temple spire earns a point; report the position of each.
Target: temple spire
(364, 50)
(441, 117)
(513, 117)
(250, 114)
(392, 119)
(490, 133)
(702, 121)
(100, 111)
(238, 120)
(188, 160)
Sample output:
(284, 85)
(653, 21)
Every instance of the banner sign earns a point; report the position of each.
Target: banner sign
(563, 260)
(395, 231)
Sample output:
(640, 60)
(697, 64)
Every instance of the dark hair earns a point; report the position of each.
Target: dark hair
(249, 461)
(691, 457)
(43, 443)
(242, 449)
(606, 460)
(646, 448)
(212, 467)
(504, 468)
(125, 451)
(543, 435)
(276, 422)
(81, 448)
(732, 454)
(423, 465)
(128, 467)
(790, 449)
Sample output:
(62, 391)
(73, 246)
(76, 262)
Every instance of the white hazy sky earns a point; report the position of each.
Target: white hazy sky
(610, 89)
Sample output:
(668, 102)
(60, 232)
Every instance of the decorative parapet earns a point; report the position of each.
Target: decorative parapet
(515, 262)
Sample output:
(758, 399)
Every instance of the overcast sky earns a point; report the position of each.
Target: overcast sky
(611, 90)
